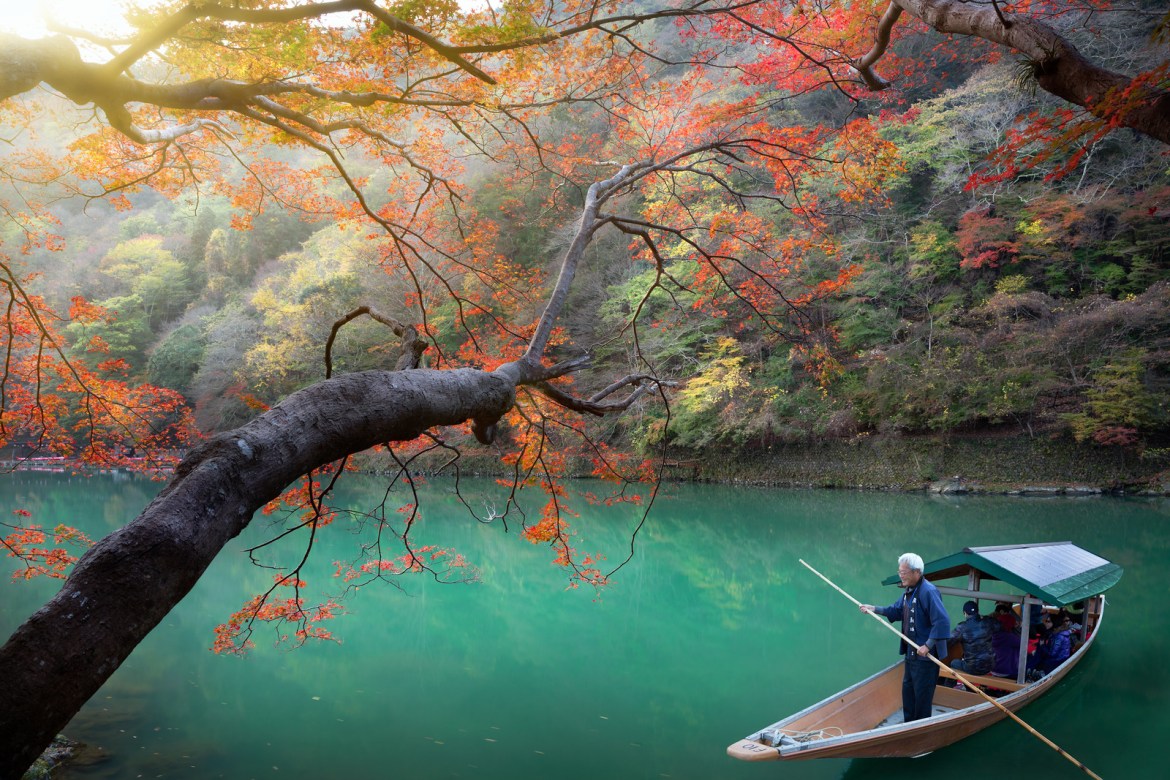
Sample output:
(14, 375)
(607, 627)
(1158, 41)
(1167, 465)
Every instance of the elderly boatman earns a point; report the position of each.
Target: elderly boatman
(924, 620)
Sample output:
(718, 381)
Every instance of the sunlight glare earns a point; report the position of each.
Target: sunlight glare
(27, 17)
(102, 17)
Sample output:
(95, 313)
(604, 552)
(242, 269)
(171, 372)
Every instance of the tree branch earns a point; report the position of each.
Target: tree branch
(643, 383)
(864, 66)
(119, 119)
(625, 21)
(595, 197)
(1059, 67)
(128, 582)
(193, 11)
(412, 346)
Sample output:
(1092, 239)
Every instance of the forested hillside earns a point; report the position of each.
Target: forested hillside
(980, 295)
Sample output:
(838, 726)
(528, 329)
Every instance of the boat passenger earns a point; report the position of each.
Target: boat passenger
(1006, 645)
(1007, 619)
(925, 621)
(975, 633)
(1035, 648)
(1041, 647)
(1057, 647)
(1064, 615)
(1036, 615)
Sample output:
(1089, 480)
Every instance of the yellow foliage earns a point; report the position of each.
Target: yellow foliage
(723, 376)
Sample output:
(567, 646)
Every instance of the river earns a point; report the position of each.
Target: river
(711, 631)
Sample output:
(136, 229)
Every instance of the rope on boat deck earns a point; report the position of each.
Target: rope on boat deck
(809, 736)
(774, 736)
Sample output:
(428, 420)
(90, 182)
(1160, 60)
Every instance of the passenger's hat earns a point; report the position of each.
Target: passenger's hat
(971, 608)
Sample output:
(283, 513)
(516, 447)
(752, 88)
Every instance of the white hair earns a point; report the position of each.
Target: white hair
(911, 561)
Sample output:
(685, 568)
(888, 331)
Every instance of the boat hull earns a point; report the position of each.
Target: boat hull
(961, 714)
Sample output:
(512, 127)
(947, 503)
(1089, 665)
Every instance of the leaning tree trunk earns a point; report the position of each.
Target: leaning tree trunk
(128, 582)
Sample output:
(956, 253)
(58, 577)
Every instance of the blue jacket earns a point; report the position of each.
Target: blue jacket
(1057, 649)
(976, 635)
(929, 623)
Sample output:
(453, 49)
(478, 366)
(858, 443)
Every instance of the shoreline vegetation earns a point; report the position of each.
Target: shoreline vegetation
(949, 465)
(954, 464)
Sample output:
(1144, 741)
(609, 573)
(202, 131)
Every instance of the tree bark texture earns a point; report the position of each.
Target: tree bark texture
(1059, 68)
(128, 582)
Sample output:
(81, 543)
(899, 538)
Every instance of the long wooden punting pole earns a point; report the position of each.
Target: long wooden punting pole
(970, 685)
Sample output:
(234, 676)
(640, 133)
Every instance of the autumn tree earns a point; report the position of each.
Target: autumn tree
(721, 200)
(1119, 406)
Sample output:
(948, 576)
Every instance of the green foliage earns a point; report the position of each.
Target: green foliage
(954, 378)
(805, 412)
(297, 305)
(426, 12)
(131, 257)
(151, 273)
(1011, 285)
(1143, 274)
(673, 339)
(1118, 408)
(863, 327)
(165, 291)
(175, 360)
(123, 337)
(934, 252)
(1111, 278)
(137, 225)
(733, 400)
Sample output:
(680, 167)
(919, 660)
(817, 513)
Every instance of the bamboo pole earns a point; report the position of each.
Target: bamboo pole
(970, 685)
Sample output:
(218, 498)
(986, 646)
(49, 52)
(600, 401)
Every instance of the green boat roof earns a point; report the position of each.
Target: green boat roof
(1060, 573)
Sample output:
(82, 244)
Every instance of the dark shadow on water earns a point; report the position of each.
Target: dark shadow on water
(869, 768)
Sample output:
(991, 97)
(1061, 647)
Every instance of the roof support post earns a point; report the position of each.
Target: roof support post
(1025, 635)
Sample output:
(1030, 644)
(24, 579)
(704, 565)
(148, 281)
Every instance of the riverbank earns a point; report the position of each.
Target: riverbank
(953, 464)
(998, 464)
(63, 751)
(974, 463)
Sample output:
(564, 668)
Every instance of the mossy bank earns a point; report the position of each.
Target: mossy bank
(999, 464)
(970, 464)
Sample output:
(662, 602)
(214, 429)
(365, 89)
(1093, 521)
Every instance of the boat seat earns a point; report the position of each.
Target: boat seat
(897, 716)
(986, 680)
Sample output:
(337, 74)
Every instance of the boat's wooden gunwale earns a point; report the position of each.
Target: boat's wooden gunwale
(901, 739)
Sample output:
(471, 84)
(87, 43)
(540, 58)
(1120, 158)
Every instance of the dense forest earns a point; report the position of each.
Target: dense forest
(980, 297)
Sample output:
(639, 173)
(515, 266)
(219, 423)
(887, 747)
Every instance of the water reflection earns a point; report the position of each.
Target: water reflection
(713, 630)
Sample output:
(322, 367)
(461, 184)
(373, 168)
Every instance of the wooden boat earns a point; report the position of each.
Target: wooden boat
(865, 720)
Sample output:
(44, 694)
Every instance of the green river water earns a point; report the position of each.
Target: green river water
(712, 631)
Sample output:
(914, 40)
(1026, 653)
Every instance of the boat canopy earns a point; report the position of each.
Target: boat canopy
(1059, 573)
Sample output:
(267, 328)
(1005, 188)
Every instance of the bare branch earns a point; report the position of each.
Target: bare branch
(864, 66)
(597, 195)
(642, 383)
(542, 374)
(119, 119)
(412, 346)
